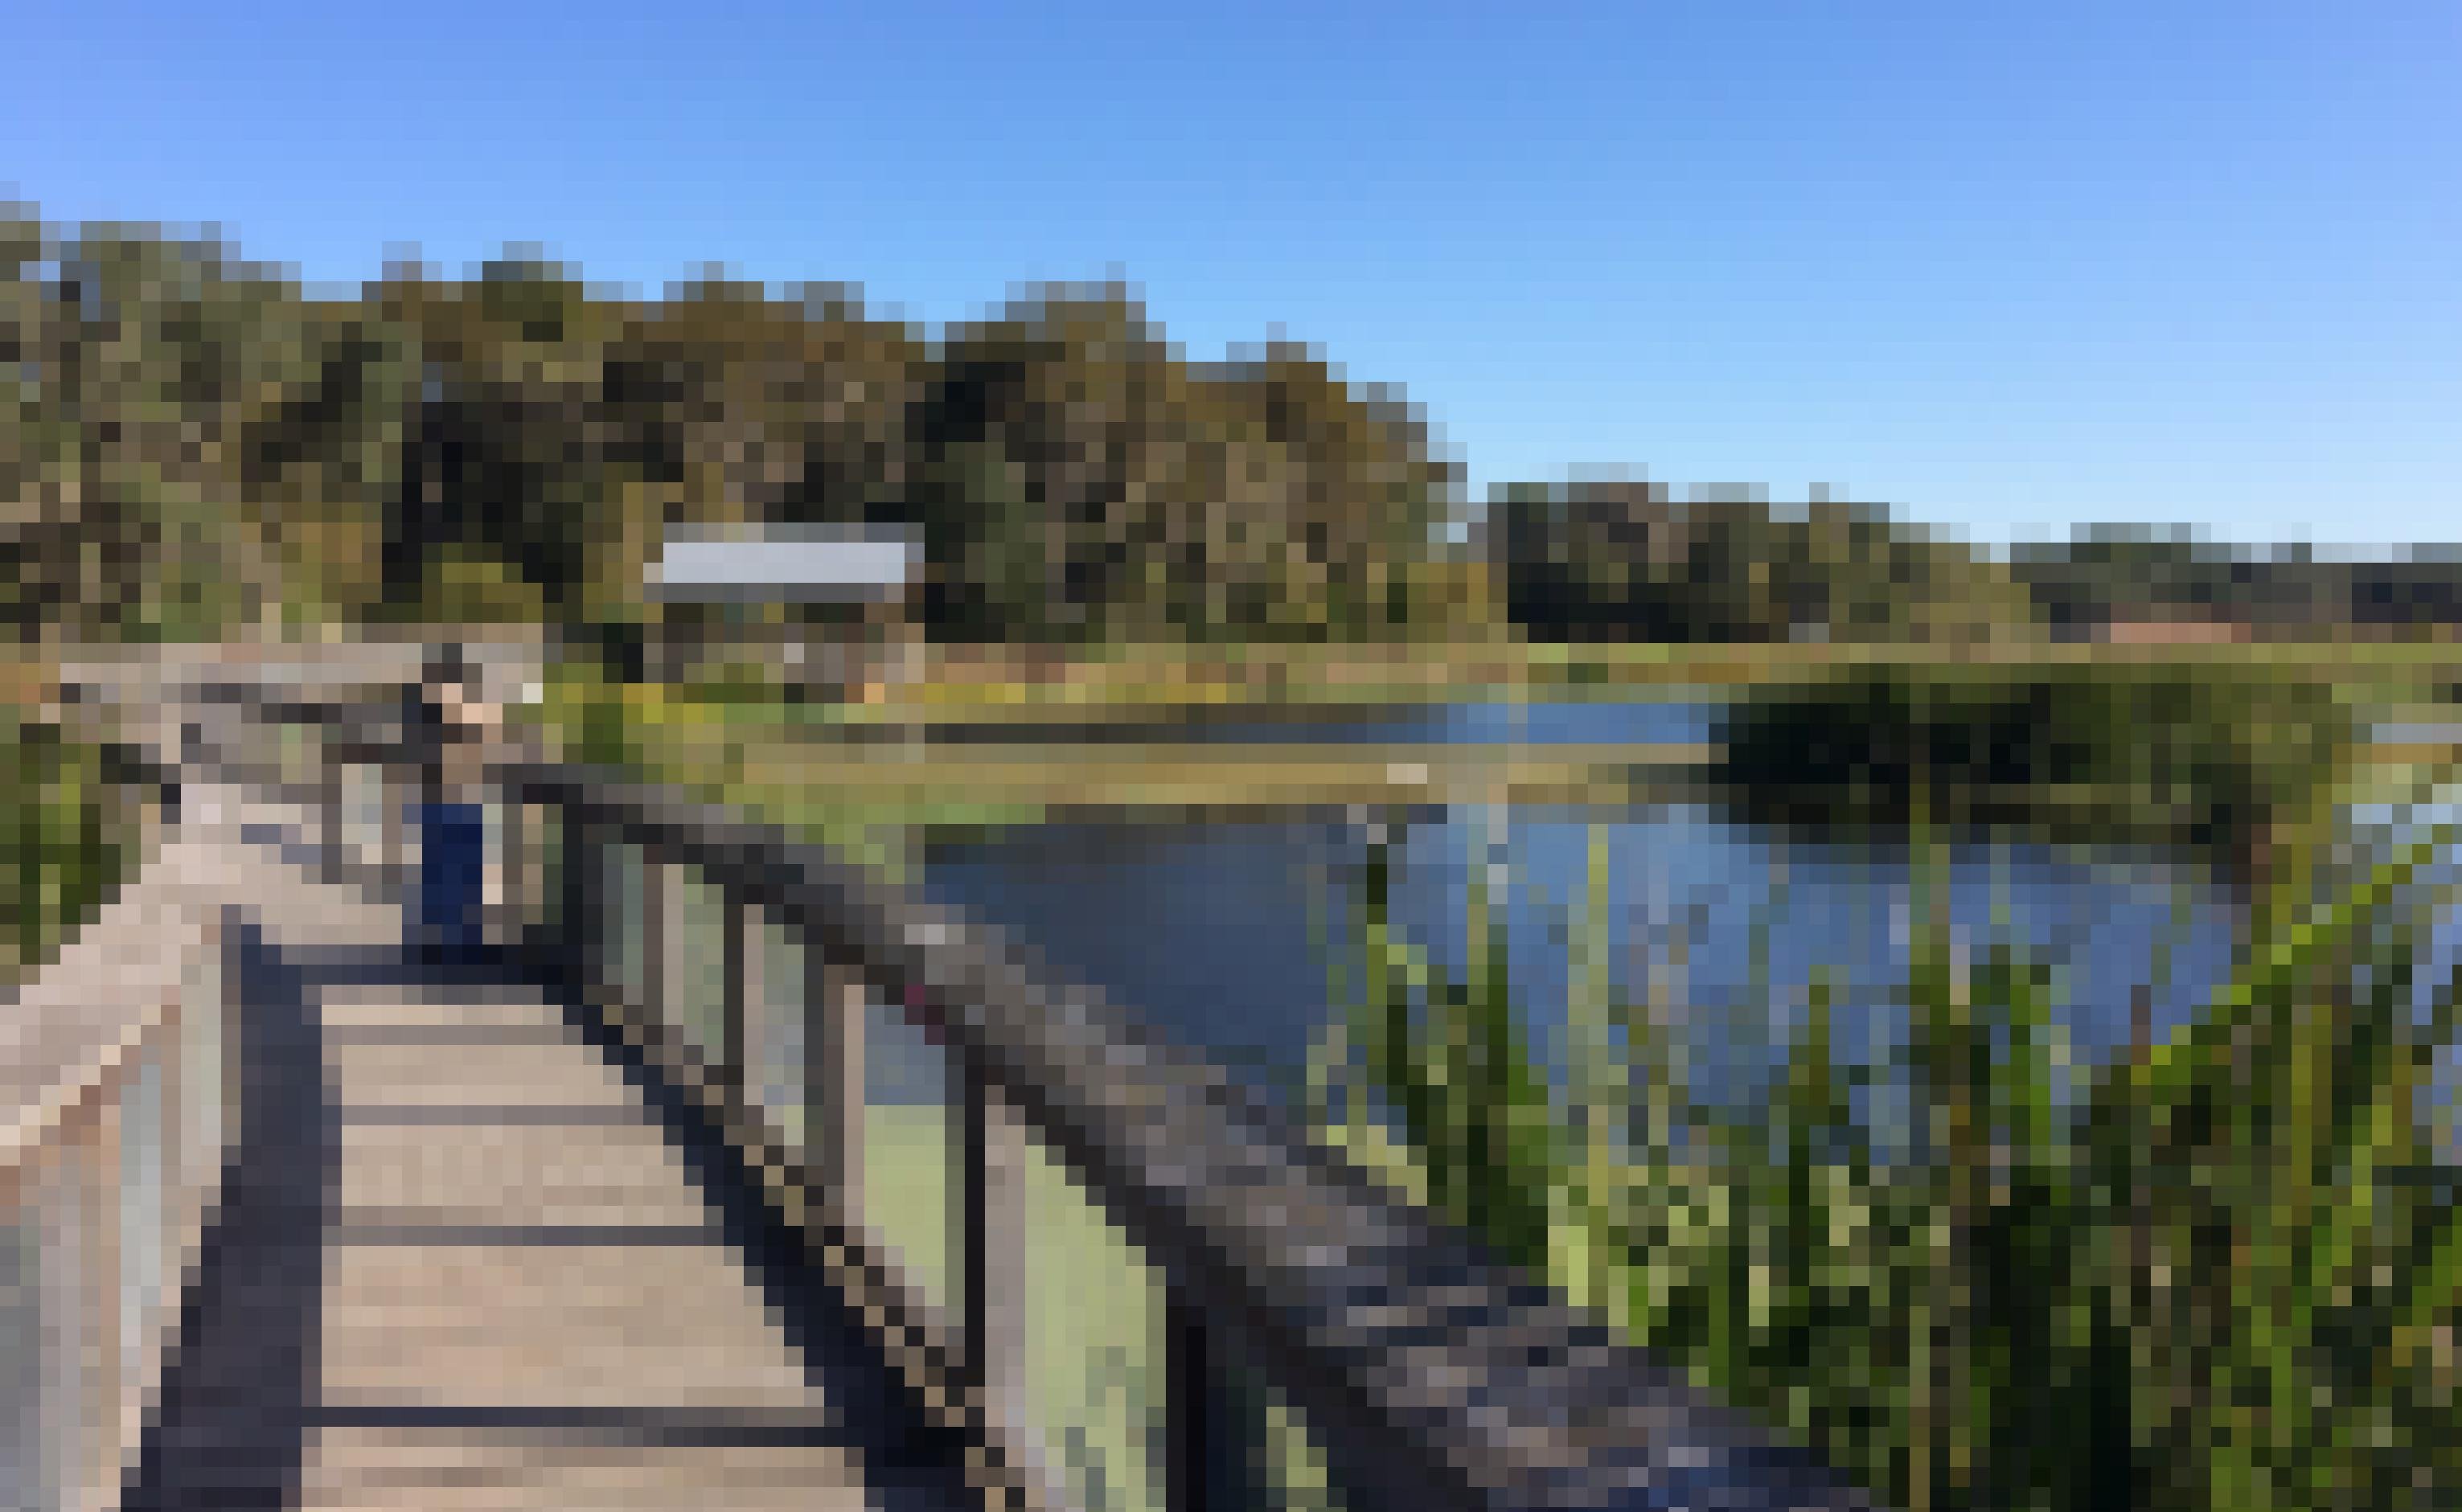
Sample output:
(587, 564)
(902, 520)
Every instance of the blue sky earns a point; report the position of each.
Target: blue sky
(2007, 269)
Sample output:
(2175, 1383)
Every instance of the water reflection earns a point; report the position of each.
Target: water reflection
(1220, 931)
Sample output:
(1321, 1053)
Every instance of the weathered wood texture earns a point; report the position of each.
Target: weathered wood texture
(526, 1303)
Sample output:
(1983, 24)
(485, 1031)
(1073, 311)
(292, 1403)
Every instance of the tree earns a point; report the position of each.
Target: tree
(1620, 561)
(195, 446)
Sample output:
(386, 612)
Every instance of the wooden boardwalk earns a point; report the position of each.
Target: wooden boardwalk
(486, 1237)
(462, 1265)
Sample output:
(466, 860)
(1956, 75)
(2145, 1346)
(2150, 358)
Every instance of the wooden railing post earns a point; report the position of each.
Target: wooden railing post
(834, 1006)
(509, 874)
(172, 1157)
(330, 844)
(48, 1193)
(343, 860)
(99, 1296)
(137, 1196)
(531, 913)
(494, 831)
(739, 988)
(24, 1359)
(662, 925)
(991, 1228)
(1186, 1390)
(394, 794)
(582, 908)
(1213, 1416)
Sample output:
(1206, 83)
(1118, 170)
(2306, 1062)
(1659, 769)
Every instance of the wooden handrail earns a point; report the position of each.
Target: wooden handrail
(1433, 1377)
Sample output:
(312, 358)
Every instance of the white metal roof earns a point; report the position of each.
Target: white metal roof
(782, 564)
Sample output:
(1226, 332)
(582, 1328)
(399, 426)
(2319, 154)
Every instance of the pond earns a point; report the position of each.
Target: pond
(1222, 932)
(1680, 722)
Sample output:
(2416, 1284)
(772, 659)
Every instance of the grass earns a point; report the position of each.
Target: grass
(966, 683)
(2220, 1271)
(992, 683)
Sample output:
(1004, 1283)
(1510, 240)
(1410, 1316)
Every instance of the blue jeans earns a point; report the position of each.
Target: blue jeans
(451, 842)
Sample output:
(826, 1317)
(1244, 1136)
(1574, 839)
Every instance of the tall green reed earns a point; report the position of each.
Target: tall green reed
(2219, 1270)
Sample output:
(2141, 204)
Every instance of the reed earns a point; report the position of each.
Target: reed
(2207, 758)
(2220, 1270)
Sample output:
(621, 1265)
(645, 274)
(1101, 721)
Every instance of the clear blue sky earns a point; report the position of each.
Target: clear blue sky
(2006, 268)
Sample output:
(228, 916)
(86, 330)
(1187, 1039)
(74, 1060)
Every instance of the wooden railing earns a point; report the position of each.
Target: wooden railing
(1426, 1376)
(117, 1087)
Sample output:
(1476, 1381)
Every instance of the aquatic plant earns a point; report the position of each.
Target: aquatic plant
(2221, 1270)
(2206, 757)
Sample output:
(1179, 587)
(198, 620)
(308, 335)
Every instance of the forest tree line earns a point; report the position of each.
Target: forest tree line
(1621, 561)
(196, 445)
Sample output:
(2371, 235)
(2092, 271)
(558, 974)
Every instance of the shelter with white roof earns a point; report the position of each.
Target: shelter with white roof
(822, 607)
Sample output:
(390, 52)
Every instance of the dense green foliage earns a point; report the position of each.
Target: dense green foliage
(2219, 1271)
(192, 445)
(1620, 562)
(64, 841)
(2206, 757)
(196, 445)
(2113, 573)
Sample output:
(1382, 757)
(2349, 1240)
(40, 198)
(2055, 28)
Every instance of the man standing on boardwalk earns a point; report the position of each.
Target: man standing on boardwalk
(453, 728)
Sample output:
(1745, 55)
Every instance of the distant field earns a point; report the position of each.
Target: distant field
(978, 684)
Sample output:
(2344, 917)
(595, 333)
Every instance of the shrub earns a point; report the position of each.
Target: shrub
(2207, 757)
(64, 845)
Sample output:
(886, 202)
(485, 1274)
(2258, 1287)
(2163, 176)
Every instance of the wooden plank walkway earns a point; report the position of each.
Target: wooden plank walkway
(463, 1266)
(522, 1286)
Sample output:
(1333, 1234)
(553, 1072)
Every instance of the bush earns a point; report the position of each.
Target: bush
(64, 845)
(2203, 757)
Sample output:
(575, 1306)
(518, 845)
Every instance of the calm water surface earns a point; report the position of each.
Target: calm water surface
(1219, 932)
